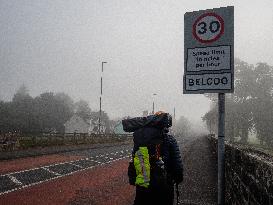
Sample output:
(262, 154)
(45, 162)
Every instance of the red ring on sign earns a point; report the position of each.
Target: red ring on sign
(216, 37)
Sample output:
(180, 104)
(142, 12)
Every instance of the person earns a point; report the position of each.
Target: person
(172, 160)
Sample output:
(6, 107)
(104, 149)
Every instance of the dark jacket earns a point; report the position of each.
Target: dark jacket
(170, 150)
(172, 160)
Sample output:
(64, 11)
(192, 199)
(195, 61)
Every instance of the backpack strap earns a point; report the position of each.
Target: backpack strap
(157, 151)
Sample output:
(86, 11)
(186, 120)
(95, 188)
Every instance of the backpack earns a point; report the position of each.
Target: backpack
(147, 169)
(163, 120)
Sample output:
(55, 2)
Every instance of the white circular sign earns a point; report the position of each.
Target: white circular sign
(208, 28)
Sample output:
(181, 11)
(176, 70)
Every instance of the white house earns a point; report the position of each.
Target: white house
(76, 125)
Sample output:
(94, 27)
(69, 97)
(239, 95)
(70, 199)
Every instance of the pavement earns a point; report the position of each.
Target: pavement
(200, 173)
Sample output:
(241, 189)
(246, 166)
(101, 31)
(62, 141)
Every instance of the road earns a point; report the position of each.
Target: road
(97, 176)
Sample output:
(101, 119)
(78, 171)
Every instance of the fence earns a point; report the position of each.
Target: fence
(15, 141)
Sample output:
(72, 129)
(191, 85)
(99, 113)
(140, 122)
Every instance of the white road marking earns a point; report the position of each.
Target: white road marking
(11, 173)
(26, 170)
(95, 161)
(14, 180)
(57, 175)
(39, 182)
(52, 172)
(102, 155)
(75, 165)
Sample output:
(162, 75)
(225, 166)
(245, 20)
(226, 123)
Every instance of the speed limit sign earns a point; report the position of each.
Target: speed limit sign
(209, 51)
(209, 66)
(208, 27)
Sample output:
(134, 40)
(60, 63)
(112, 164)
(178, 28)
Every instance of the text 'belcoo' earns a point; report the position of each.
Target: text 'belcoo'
(208, 81)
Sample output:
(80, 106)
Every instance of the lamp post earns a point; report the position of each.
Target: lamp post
(153, 103)
(101, 94)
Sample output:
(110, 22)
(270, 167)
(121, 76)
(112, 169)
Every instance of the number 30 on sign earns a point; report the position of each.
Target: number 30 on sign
(208, 28)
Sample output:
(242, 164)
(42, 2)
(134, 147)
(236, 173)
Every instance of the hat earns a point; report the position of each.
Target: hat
(159, 112)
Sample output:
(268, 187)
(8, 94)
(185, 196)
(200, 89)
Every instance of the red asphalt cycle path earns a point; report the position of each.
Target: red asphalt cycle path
(101, 185)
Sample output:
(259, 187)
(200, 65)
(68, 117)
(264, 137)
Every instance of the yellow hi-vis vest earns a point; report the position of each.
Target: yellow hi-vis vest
(142, 166)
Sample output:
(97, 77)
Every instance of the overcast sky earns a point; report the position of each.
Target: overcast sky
(59, 46)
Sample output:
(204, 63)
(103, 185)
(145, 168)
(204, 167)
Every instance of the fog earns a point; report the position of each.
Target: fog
(58, 46)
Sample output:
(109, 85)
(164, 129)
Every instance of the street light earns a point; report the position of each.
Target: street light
(101, 94)
(154, 103)
(174, 113)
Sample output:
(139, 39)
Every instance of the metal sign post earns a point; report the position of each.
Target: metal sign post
(221, 149)
(209, 66)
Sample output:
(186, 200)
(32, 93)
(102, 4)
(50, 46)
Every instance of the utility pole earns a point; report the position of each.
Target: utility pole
(173, 122)
(101, 95)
